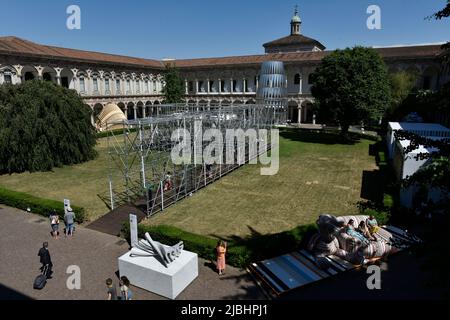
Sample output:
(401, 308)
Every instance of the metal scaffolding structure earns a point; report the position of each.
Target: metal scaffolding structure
(142, 170)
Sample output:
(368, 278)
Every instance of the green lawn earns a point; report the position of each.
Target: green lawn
(80, 183)
(316, 176)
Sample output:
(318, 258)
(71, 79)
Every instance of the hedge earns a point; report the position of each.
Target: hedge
(37, 205)
(114, 132)
(241, 251)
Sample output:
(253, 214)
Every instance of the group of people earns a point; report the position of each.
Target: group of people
(69, 220)
(124, 286)
(366, 230)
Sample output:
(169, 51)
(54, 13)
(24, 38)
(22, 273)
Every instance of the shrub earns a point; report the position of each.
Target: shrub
(43, 126)
(114, 132)
(37, 205)
(241, 251)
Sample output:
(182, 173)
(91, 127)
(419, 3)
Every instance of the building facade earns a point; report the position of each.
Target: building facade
(135, 85)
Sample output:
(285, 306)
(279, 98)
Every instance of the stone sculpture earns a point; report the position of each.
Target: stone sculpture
(152, 248)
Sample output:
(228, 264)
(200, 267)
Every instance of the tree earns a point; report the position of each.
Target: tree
(174, 87)
(402, 84)
(42, 126)
(444, 13)
(351, 86)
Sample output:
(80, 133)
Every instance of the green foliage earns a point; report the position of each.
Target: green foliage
(37, 205)
(42, 126)
(402, 83)
(174, 87)
(110, 133)
(429, 105)
(240, 251)
(444, 13)
(351, 86)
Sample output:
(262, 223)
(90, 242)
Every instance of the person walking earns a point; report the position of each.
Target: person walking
(221, 250)
(69, 220)
(112, 292)
(46, 260)
(125, 291)
(54, 221)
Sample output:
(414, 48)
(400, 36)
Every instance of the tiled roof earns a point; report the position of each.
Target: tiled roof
(254, 59)
(295, 39)
(14, 45)
(17, 46)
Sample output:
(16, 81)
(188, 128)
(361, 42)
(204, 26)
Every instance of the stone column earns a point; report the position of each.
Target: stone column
(314, 118)
(135, 112)
(186, 86)
(243, 85)
(300, 87)
(196, 86)
(208, 86)
(299, 115)
(231, 86)
(220, 86)
(143, 111)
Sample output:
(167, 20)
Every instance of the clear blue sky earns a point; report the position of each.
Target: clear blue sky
(190, 29)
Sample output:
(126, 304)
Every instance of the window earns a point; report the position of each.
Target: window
(65, 82)
(154, 86)
(245, 85)
(191, 86)
(106, 85)
(297, 79)
(310, 80)
(200, 86)
(117, 85)
(234, 85)
(82, 85)
(138, 89)
(95, 81)
(211, 86)
(8, 78)
(146, 86)
(426, 83)
(222, 85)
(128, 86)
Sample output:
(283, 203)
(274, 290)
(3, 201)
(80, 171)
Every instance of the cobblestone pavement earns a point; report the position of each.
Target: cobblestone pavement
(96, 254)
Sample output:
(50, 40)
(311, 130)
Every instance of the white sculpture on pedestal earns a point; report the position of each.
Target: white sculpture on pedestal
(152, 248)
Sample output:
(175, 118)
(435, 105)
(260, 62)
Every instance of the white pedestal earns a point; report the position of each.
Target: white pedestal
(150, 274)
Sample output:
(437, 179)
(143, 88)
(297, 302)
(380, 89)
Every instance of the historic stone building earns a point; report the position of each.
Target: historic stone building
(135, 85)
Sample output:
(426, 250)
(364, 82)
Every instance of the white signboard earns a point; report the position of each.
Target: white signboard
(133, 230)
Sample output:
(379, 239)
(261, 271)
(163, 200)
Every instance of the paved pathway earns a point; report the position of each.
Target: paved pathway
(96, 254)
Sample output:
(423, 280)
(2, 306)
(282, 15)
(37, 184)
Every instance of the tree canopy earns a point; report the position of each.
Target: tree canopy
(42, 126)
(174, 87)
(351, 86)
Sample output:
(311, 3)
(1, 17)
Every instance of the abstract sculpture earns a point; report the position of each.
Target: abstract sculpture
(272, 90)
(152, 248)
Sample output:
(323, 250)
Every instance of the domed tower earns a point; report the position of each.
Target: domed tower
(295, 42)
(296, 23)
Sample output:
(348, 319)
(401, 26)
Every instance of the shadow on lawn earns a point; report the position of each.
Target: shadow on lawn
(321, 137)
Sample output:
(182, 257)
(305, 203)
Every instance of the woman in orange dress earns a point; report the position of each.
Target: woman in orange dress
(221, 250)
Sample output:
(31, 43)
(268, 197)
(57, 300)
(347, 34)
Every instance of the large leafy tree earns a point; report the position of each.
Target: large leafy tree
(174, 87)
(42, 126)
(351, 86)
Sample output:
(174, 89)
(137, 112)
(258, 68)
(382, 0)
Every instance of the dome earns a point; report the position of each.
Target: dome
(296, 19)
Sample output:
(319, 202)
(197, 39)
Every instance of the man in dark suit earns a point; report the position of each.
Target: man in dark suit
(46, 260)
